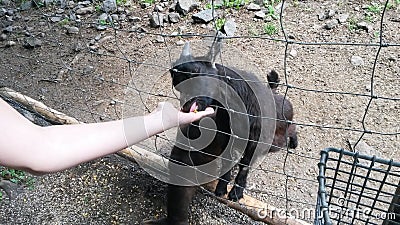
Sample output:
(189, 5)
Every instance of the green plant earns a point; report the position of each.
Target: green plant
(352, 24)
(374, 8)
(148, 1)
(16, 176)
(270, 28)
(219, 23)
(63, 22)
(369, 18)
(103, 22)
(1, 195)
(120, 2)
(98, 7)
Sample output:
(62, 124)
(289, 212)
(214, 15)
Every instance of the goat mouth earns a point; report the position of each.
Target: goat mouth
(195, 105)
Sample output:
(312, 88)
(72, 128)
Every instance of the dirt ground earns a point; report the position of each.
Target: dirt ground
(86, 75)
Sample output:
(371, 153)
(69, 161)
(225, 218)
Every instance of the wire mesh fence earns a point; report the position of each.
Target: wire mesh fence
(358, 189)
(95, 74)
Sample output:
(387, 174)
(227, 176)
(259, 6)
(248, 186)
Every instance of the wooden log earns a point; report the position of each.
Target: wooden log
(36, 106)
(255, 209)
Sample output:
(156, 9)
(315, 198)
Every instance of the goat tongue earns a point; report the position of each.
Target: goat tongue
(193, 107)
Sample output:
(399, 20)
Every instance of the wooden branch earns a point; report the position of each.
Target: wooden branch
(248, 205)
(37, 106)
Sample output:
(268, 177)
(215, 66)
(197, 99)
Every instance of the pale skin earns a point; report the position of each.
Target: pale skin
(39, 150)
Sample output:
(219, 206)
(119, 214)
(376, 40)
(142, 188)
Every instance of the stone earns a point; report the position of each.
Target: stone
(3, 37)
(72, 30)
(185, 6)
(26, 5)
(32, 42)
(174, 17)
(145, 5)
(134, 19)
(356, 61)
(103, 17)
(364, 26)
(330, 13)
(160, 39)
(329, 25)
(114, 17)
(8, 29)
(10, 43)
(253, 7)
(180, 42)
(230, 27)
(293, 53)
(343, 18)
(259, 15)
(109, 6)
(85, 10)
(158, 8)
(204, 16)
(55, 19)
(157, 20)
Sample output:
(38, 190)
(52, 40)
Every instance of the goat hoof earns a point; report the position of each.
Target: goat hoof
(220, 192)
(235, 195)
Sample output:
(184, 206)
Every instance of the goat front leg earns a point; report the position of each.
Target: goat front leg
(236, 192)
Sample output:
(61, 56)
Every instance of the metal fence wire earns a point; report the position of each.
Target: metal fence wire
(86, 76)
(357, 189)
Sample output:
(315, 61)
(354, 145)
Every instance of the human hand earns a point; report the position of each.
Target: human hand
(172, 117)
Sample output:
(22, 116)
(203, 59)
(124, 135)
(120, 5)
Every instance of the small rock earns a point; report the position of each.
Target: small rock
(10, 12)
(180, 42)
(101, 27)
(331, 24)
(259, 15)
(10, 43)
(3, 37)
(229, 27)
(204, 16)
(72, 30)
(145, 5)
(157, 20)
(85, 3)
(357, 60)
(330, 13)
(293, 53)
(364, 26)
(174, 17)
(85, 10)
(8, 29)
(158, 8)
(253, 7)
(32, 42)
(26, 5)
(321, 16)
(363, 148)
(357, 9)
(114, 17)
(134, 19)
(160, 39)
(392, 58)
(185, 6)
(109, 6)
(172, 7)
(55, 19)
(103, 17)
(343, 18)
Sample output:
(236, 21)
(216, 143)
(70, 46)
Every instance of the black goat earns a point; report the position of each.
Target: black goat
(203, 94)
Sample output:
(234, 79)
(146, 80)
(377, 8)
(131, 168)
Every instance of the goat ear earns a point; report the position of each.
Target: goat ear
(186, 51)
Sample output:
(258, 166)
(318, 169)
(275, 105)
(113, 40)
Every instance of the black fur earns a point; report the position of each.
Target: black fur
(179, 197)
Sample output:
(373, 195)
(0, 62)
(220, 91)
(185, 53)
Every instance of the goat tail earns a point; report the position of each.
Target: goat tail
(273, 79)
